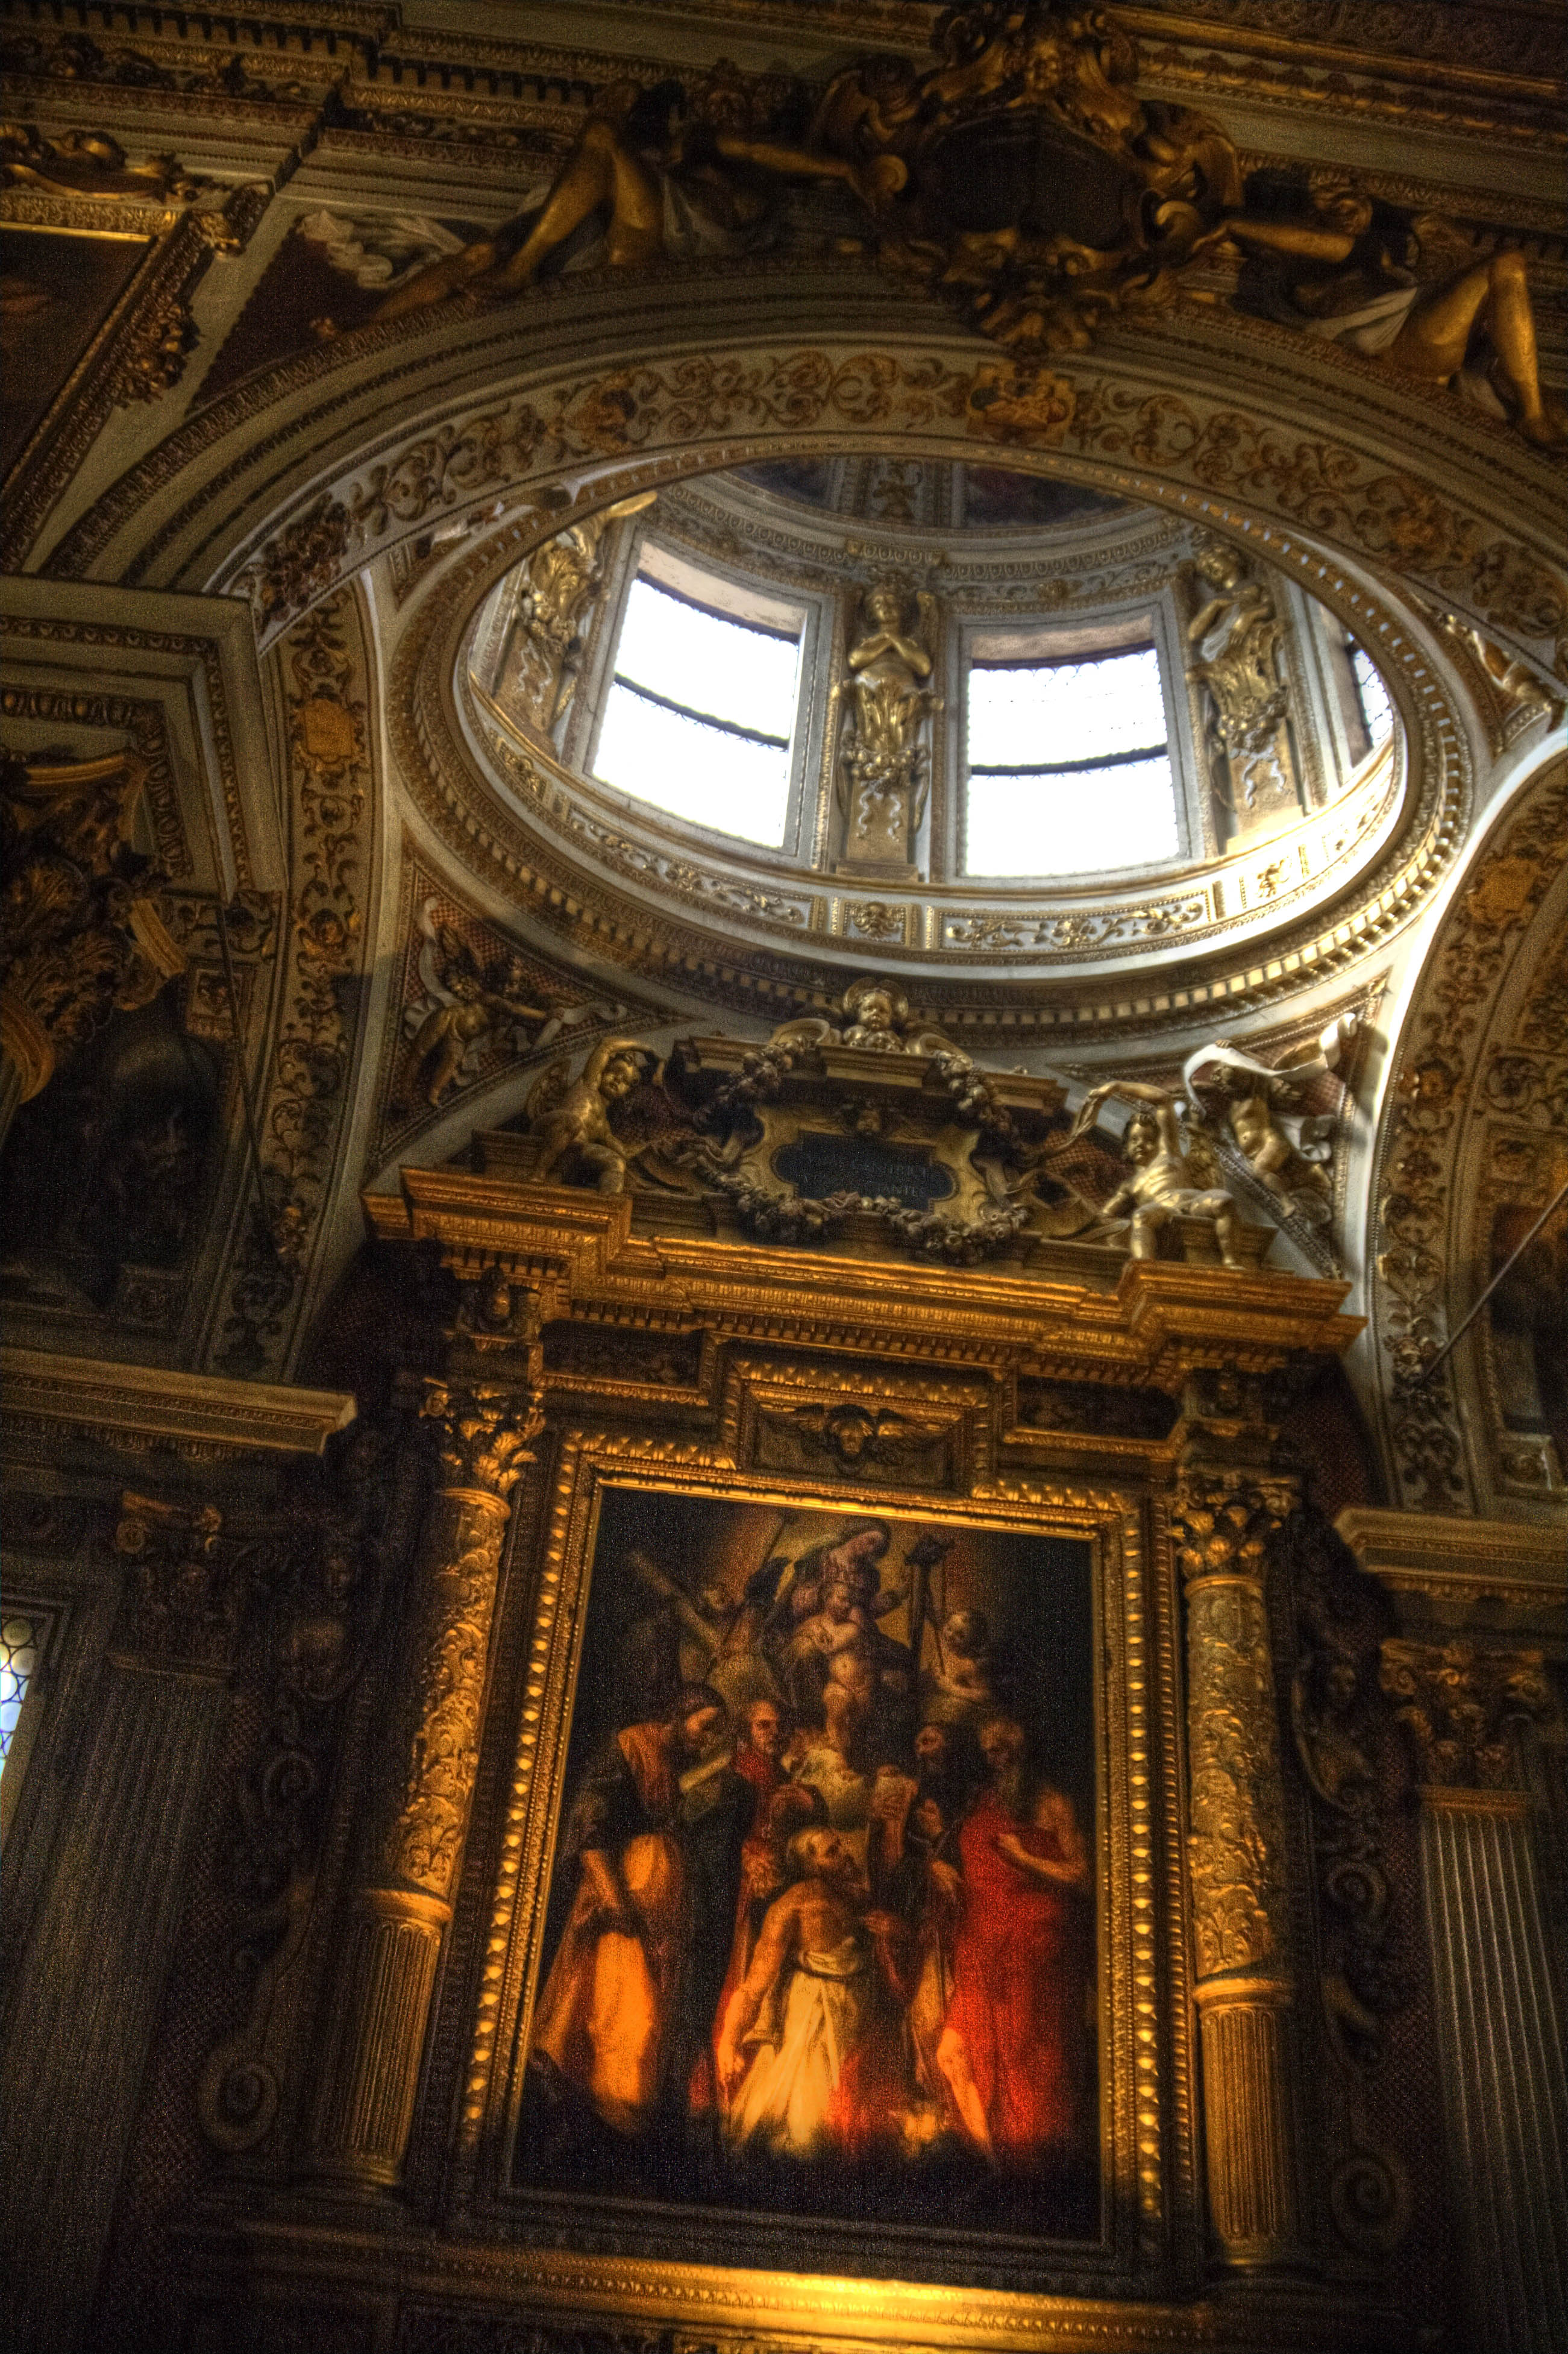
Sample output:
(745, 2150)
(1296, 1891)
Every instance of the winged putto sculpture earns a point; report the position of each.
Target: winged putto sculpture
(1022, 177)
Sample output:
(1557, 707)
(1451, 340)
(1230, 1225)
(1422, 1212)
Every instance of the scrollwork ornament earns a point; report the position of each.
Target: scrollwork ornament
(299, 565)
(307, 1087)
(150, 357)
(1425, 1131)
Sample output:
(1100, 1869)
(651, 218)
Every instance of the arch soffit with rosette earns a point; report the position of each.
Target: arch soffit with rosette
(1468, 1122)
(1312, 452)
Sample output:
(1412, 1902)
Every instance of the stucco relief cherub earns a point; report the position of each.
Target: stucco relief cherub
(464, 1001)
(570, 1119)
(1161, 1185)
(875, 1016)
(1353, 271)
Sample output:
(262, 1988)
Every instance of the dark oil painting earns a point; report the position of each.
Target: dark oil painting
(821, 1930)
(56, 290)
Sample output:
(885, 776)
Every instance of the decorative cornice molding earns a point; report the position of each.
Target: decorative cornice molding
(1455, 1562)
(142, 1407)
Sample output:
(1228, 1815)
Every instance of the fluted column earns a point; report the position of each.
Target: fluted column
(82, 1999)
(1500, 2020)
(1244, 1982)
(422, 1789)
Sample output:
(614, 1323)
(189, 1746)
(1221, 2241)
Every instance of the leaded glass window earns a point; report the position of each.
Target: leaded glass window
(700, 718)
(1069, 766)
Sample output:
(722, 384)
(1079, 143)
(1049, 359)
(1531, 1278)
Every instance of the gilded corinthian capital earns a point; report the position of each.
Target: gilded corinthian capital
(1463, 1706)
(485, 1435)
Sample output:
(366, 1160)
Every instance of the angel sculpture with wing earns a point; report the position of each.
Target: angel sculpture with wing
(1263, 1104)
(464, 1000)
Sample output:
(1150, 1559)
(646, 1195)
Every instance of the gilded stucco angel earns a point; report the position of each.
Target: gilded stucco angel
(672, 176)
(1285, 1146)
(570, 1118)
(873, 1016)
(1161, 1185)
(1411, 292)
(890, 664)
(465, 1001)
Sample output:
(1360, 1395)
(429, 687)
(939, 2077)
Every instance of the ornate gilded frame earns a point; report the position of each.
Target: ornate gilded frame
(1146, 2094)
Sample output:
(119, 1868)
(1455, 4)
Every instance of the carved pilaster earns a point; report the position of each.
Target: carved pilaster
(1223, 1522)
(1500, 2014)
(422, 1789)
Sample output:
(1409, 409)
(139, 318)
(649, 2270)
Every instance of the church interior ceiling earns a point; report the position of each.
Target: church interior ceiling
(783, 835)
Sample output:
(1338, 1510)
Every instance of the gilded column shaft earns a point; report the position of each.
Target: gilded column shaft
(422, 1791)
(1245, 1980)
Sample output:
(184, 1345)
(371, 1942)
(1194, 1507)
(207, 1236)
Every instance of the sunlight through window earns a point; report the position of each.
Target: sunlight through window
(701, 716)
(18, 1657)
(1069, 769)
(1377, 711)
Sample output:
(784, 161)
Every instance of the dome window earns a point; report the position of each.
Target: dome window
(701, 713)
(1068, 765)
(1371, 696)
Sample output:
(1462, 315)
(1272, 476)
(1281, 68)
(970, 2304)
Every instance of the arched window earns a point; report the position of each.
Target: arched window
(701, 714)
(1068, 762)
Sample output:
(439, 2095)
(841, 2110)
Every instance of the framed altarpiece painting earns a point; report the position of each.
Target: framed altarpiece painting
(835, 1931)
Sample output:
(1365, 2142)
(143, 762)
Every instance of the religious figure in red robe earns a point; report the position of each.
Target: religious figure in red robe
(1014, 2047)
